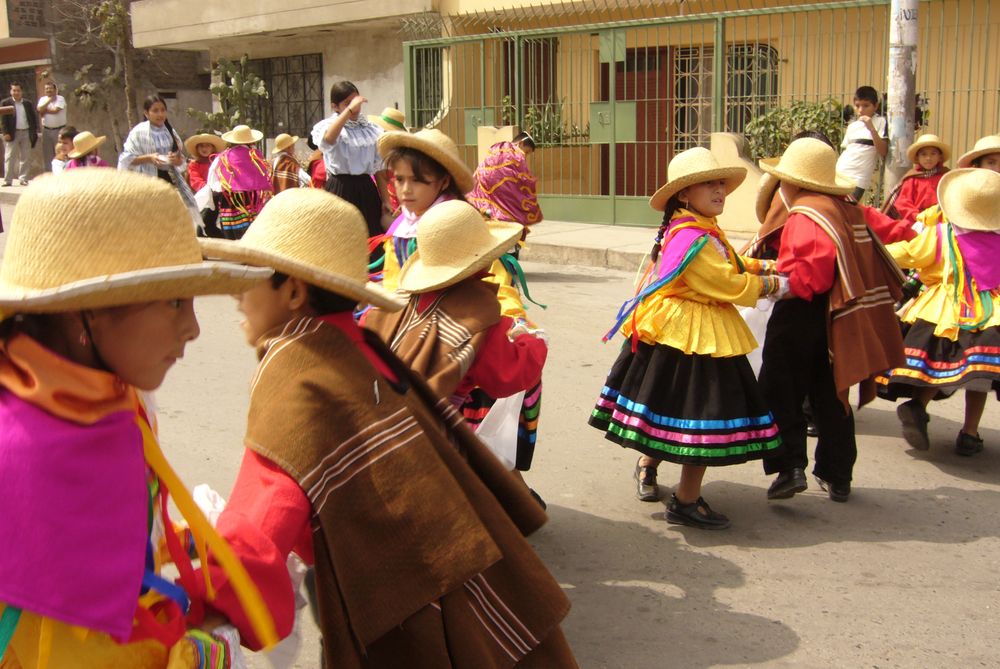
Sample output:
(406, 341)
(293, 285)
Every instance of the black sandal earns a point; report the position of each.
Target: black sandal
(693, 516)
(645, 479)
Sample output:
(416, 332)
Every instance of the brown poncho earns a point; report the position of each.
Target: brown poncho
(417, 529)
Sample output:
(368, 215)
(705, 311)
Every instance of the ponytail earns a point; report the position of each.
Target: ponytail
(173, 135)
(673, 204)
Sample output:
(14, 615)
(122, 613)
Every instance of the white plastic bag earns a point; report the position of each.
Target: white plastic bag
(498, 429)
(756, 318)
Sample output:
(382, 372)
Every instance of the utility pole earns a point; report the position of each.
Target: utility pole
(901, 87)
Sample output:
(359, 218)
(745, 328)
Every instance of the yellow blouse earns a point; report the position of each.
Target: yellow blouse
(936, 304)
(696, 313)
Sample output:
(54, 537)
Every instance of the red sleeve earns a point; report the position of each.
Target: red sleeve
(318, 173)
(808, 256)
(266, 518)
(504, 367)
(888, 229)
(197, 173)
(915, 196)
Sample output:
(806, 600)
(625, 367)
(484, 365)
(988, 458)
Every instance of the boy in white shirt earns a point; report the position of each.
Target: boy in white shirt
(864, 142)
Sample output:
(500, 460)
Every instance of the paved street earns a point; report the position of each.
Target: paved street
(904, 575)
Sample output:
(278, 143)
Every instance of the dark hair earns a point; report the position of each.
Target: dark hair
(424, 168)
(814, 134)
(673, 204)
(68, 132)
(52, 83)
(310, 143)
(526, 138)
(342, 90)
(16, 83)
(148, 103)
(321, 300)
(867, 93)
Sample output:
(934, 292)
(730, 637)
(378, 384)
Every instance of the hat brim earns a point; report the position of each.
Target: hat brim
(733, 176)
(191, 144)
(79, 154)
(966, 158)
(458, 170)
(242, 252)
(843, 186)
(418, 277)
(911, 153)
(953, 205)
(148, 285)
(278, 149)
(255, 136)
(386, 125)
(766, 189)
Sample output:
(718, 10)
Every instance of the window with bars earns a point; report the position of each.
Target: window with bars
(428, 85)
(295, 89)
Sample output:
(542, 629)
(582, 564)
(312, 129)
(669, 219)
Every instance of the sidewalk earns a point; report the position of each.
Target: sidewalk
(555, 242)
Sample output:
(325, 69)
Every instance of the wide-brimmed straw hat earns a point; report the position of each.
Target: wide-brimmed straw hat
(925, 141)
(810, 164)
(435, 144)
(390, 120)
(691, 167)
(983, 147)
(243, 134)
(192, 142)
(314, 236)
(454, 242)
(766, 188)
(86, 239)
(282, 142)
(970, 198)
(85, 142)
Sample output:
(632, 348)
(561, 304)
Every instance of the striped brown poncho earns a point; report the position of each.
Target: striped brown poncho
(418, 531)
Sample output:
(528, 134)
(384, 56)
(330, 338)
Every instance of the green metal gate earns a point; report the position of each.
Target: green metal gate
(611, 103)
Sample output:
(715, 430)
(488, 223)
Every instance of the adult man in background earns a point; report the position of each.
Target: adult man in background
(52, 110)
(20, 132)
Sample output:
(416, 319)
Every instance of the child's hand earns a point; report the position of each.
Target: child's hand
(867, 120)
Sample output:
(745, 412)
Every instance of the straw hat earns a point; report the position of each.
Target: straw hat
(192, 142)
(85, 142)
(282, 142)
(391, 120)
(435, 144)
(86, 239)
(925, 141)
(810, 164)
(314, 236)
(454, 242)
(695, 166)
(766, 188)
(984, 146)
(243, 134)
(970, 198)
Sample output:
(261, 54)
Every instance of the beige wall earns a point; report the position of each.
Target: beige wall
(196, 23)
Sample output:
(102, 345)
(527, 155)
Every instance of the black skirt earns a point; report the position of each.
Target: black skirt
(937, 362)
(359, 190)
(685, 408)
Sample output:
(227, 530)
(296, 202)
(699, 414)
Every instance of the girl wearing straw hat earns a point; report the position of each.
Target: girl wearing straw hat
(505, 187)
(917, 190)
(836, 329)
(681, 389)
(203, 148)
(415, 530)
(286, 172)
(84, 484)
(953, 340)
(242, 178)
(84, 153)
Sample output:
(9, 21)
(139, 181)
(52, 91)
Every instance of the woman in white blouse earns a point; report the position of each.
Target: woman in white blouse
(348, 142)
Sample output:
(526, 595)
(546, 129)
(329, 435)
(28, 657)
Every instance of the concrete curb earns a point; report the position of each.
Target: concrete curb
(556, 254)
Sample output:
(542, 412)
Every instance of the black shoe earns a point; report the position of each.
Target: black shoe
(914, 418)
(646, 488)
(839, 492)
(788, 483)
(538, 498)
(966, 444)
(696, 514)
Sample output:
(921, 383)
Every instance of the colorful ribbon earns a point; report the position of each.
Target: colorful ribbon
(514, 268)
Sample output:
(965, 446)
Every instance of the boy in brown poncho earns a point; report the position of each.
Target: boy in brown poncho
(416, 531)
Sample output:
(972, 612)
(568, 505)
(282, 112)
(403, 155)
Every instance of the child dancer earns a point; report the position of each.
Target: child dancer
(285, 169)
(242, 177)
(682, 389)
(84, 153)
(953, 341)
(84, 485)
(918, 189)
(203, 148)
(352, 461)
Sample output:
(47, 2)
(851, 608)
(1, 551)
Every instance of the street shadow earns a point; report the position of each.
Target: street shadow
(942, 515)
(566, 277)
(641, 596)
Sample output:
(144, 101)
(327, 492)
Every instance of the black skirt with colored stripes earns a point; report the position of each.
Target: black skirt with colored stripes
(970, 362)
(478, 405)
(685, 408)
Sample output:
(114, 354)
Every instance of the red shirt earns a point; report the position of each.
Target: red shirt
(317, 172)
(915, 195)
(198, 173)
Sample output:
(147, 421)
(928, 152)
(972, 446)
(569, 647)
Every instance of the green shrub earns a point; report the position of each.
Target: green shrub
(769, 134)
